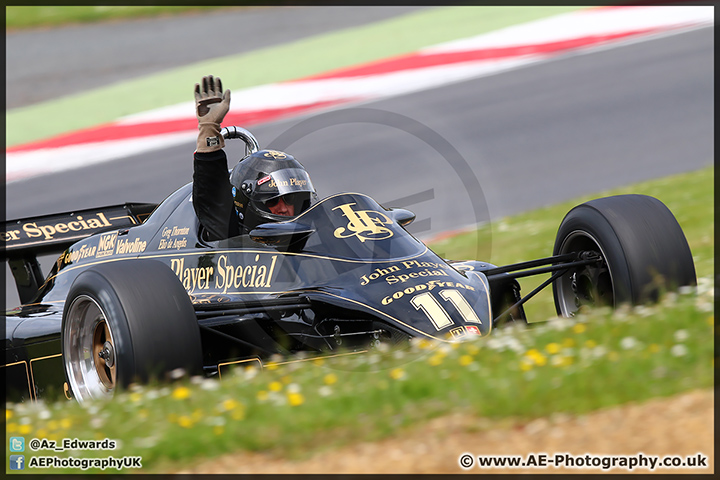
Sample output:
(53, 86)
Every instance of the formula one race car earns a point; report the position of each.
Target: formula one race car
(137, 292)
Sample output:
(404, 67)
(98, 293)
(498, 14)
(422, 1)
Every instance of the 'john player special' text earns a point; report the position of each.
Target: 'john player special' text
(225, 276)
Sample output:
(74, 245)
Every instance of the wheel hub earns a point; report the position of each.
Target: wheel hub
(590, 285)
(107, 354)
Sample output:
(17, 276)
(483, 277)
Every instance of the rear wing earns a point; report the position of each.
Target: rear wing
(56, 232)
(23, 240)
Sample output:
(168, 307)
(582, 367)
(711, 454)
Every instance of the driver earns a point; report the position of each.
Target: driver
(265, 186)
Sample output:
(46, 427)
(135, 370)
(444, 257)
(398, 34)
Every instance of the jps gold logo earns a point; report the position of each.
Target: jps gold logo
(364, 224)
(274, 154)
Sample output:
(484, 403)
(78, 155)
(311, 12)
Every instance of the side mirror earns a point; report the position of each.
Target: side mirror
(401, 216)
(281, 234)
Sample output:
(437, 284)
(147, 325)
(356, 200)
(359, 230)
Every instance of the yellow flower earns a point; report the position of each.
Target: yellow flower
(330, 379)
(536, 357)
(397, 373)
(218, 429)
(579, 328)
(424, 344)
(568, 342)
(295, 399)
(275, 386)
(552, 348)
(185, 421)
(525, 365)
(8, 414)
(24, 429)
(11, 427)
(181, 393)
(561, 361)
(654, 348)
(41, 433)
(238, 413)
(711, 320)
(143, 413)
(65, 423)
(466, 360)
(436, 359)
(135, 397)
(229, 404)
(262, 395)
(272, 366)
(318, 362)
(590, 343)
(613, 356)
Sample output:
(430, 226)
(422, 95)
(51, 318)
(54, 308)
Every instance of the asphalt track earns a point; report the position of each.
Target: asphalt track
(533, 136)
(46, 64)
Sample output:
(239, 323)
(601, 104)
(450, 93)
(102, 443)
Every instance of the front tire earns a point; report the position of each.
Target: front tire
(643, 248)
(124, 322)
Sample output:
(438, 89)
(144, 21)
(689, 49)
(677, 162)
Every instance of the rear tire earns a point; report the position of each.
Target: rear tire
(643, 247)
(124, 322)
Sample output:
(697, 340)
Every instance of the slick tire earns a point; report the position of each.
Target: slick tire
(124, 322)
(644, 250)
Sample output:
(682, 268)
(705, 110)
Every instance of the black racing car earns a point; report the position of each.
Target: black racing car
(137, 292)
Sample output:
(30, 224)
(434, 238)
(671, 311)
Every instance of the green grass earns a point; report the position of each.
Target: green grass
(571, 366)
(690, 196)
(598, 359)
(25, 17)
(309, 56)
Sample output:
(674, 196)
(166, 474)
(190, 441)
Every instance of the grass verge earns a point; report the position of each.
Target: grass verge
(309, 56)
(20, 17)
(598, 359)
(690, 196)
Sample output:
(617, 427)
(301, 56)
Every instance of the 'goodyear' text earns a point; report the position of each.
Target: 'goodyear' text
(423, 286)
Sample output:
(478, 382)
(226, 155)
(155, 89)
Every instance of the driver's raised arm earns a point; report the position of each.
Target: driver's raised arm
(212, 197)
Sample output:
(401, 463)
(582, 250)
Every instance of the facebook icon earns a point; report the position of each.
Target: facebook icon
(17, 462)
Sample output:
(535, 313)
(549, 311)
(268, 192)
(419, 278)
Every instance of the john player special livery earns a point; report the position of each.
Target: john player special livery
(137, 291)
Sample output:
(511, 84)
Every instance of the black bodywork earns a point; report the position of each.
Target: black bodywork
(343, 275)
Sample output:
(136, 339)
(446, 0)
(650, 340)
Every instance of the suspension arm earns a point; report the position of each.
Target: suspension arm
(525, 269)
(527, 297)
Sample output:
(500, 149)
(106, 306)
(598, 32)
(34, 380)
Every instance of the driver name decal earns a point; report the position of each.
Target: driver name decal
(363, 224)
(173, 238)
(225, 276)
